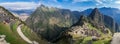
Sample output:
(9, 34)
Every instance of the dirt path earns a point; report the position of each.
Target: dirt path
(22, 35)
(116, 38)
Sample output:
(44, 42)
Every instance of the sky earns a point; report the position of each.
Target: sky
(74, 5)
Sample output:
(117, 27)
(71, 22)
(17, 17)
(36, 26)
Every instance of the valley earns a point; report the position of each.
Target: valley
(72, 22)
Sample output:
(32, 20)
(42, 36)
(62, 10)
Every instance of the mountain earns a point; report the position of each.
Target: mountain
(96, 17)
(110, 14)
(89, 30)
(49, 22)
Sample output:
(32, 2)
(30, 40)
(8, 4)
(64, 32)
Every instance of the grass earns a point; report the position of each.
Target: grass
(86, 39)
(11, 36)
(14, 26)
(32, 35)
(105, 41)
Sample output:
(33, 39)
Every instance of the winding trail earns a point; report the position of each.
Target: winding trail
(116, 38)
(22, 35)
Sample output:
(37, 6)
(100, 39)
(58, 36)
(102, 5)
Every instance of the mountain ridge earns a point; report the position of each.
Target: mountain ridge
(109, 13)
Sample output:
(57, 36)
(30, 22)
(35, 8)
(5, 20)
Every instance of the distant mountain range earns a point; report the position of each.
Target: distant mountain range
(112, 12)
(108, 11)
(19, 12)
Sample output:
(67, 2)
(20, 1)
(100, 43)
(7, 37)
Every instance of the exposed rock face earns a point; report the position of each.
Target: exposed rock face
(2, 39)
(6, 16)
(96, 18)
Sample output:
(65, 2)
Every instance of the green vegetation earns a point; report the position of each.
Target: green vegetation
(103, 39)
(32, 35)
(11, 37)
(14, 26)
(86, 39)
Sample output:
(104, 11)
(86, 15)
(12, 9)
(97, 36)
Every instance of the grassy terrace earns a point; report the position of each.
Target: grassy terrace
(11, 37)
(104, 39)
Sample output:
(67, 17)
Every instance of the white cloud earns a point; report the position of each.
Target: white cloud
(99, 1)
(59, 6)
(74, 1)
(117, 2)
(19, 5)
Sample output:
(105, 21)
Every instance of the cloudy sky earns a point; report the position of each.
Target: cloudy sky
(78, 5)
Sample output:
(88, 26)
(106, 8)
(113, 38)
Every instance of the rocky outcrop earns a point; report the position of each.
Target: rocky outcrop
(6, 16)
(96, 18)
(2, 40)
